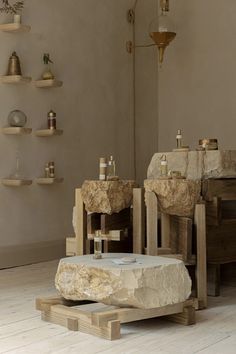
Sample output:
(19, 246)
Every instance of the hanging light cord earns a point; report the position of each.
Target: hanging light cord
(134, 97)
(134, 90)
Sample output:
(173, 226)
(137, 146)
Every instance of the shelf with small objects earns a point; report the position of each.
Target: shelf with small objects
(15, 10)
(16, 124)
(51, 126)
(47, 79)
(16, 131)
(16, 182)
(14, 73)
(49, 83)
(49, 177)
(17, 178)
(15, 79)
(14, 27)
(48, 132)
(48, 180)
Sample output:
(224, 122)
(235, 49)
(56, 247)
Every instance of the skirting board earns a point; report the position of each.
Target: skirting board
(14, 256)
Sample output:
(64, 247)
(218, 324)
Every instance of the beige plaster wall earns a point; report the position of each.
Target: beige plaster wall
(197, 85)
(146, 83)
(86, 40)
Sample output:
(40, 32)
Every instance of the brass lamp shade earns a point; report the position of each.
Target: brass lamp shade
(162, 40)
(162, 30)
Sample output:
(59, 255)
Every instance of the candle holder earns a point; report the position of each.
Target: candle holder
(97, 245)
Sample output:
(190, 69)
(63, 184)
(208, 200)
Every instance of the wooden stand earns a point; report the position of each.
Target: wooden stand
(104, 321)
(113, 228)
(176, 241)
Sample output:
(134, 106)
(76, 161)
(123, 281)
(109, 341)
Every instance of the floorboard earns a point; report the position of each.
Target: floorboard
(23, 332)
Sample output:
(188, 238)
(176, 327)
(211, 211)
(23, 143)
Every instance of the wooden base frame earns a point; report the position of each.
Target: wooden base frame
(104, 321)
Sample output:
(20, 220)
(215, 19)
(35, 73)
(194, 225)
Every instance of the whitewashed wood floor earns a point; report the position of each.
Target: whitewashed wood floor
(22, 331)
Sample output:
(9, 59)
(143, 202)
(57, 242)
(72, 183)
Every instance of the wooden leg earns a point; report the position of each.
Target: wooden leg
(201, 272)
(213, 279)
(165, 230)
(75, 321)
(186, 318)
(152, 223)
(181, 237)
(138, 221)
(105, 246)
(81, 225)
(93, 223)
(88, 246)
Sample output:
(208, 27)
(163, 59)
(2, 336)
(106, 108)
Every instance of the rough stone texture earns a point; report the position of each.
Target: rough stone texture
(197, 164)
(151, 282)
(107, 197)
(175, 196)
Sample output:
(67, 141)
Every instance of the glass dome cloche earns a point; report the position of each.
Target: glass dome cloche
(17, 118)
(162, 29)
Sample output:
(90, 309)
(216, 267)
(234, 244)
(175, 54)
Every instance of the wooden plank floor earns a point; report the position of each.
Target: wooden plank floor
(22, 331)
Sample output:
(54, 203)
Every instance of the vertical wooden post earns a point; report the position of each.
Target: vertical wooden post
(213, 279)
(81, 225)
(105, 246)
(201, 267)
(152, 223)
(138, 221)
(165, 230)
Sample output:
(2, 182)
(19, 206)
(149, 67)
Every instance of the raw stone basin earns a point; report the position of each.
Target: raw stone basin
(175, 196)
(107, 197)
(151, 282)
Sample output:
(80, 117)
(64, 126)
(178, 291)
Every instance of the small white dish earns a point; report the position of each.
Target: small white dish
(128, 260)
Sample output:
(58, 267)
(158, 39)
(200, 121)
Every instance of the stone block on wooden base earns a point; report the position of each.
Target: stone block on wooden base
(107, 197)
(175, 196)
(151, 282)
(197, 164)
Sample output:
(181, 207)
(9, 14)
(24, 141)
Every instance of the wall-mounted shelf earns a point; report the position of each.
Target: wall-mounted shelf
(48, 132)
(14, 27)
(48, 181)
(15, 79)
(11, 182)
(16, 131)
(48, 83)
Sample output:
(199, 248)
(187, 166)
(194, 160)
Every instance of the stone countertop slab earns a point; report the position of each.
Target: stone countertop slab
(175, 196)
(107, 197)
(151, 282)
(197, 164)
